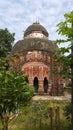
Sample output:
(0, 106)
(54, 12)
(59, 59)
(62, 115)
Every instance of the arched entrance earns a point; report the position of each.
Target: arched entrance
(45, 85)
(35, 84)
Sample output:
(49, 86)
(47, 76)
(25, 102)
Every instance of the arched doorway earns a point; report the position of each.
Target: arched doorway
(35, 83)
(45, 85)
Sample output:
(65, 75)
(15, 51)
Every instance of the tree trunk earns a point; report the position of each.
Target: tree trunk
(51, 117)
(57, 118)
(72, 84)
(40, 123)
(72, 97)
(5, 126)
(4, 120)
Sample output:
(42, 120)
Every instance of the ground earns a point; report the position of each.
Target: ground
(66, 97)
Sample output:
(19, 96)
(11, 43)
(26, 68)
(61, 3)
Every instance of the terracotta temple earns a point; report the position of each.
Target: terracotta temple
(34, 56)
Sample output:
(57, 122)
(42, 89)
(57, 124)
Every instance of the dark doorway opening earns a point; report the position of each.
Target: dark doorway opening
(45, 84)
(35, 83)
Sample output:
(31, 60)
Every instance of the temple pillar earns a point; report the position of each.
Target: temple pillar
(40, 89)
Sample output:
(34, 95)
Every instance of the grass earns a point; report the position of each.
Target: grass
(36, 117)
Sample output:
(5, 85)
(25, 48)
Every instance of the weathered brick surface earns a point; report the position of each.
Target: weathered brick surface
(34, 56)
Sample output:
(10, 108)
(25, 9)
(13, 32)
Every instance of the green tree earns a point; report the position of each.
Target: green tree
(6, 41)
(14, 89)
(67, 111)
(65, 29)
(14, 93)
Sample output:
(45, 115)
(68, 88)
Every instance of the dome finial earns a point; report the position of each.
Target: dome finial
(36, 21)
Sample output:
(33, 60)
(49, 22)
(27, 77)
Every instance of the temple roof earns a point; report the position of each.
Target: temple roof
(34, 44)
(35, 27)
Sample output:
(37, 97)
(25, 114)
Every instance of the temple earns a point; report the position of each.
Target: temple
(34, 56)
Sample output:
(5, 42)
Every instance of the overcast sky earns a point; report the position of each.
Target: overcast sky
(17, 15)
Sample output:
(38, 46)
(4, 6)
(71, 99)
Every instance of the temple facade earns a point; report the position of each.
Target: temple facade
(34, 56)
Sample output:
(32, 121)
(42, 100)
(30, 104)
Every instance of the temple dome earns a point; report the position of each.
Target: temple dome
(35, 27)
(34, 43)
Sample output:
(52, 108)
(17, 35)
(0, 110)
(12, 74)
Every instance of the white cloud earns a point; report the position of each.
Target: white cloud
(17, 15)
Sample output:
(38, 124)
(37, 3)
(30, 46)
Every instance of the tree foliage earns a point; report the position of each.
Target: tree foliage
(14, 89)
(67, 111)
(64, 55)
(6, 41)
(14, 93)
(65, 29)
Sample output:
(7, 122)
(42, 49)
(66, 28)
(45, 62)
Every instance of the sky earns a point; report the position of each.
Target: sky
(17, 15)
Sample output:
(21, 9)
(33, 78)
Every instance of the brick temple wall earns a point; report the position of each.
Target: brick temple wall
(39, 70)
(38, 64)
